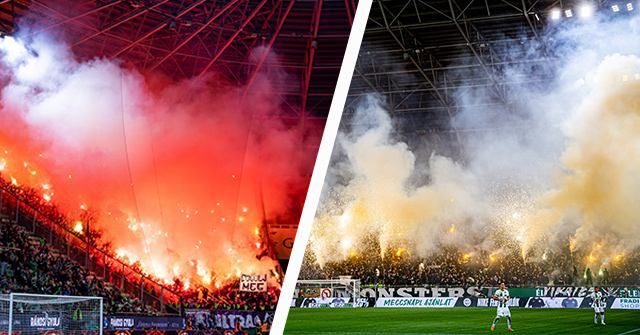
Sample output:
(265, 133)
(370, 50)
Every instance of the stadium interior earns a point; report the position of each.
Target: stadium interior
(478, 152)
(45, 250)
(420, 58)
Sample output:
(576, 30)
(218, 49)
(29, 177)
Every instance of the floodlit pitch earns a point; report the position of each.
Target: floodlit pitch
(372, 321)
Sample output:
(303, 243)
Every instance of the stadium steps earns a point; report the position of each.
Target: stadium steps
(36, 241)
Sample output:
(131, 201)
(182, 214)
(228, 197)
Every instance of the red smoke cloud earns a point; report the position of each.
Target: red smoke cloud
(176, 172)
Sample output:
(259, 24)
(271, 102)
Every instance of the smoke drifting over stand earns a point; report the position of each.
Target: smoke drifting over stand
(175, 173)
(558, 165)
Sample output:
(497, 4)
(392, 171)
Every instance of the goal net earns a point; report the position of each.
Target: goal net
(24, 314)
(327, 290)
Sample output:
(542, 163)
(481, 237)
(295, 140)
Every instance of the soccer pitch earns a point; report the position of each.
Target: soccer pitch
(400, 321)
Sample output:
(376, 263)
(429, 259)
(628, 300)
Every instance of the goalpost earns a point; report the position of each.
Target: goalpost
(25, 314)
(341, 287)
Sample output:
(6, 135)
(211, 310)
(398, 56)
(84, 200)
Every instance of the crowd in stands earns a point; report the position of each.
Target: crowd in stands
(229, 297)
(451, 267)
(28, 265)
(31, 267)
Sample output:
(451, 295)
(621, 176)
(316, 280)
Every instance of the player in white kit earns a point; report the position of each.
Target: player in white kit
(502, 296)
(598, 302)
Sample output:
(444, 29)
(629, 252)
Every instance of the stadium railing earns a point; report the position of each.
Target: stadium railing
(98, 261)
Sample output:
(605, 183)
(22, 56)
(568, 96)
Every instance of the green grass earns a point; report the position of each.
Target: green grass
(401, 321)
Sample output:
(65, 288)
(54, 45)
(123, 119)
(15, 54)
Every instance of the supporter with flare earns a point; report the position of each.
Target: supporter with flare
(453, 267)
(25, 267)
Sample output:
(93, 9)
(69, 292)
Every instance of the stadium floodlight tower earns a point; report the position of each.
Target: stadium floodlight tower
(343, 286)
(25, 314)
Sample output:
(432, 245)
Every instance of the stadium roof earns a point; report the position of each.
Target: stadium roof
(185, 38)
(419, 53)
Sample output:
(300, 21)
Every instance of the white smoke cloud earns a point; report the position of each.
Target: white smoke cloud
(555, 163)
(176, 171)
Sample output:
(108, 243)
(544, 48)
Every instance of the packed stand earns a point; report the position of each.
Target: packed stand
(451, 267)
(229, 297)
(29, 267)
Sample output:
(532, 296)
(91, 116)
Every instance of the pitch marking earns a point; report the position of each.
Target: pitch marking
(630, 331)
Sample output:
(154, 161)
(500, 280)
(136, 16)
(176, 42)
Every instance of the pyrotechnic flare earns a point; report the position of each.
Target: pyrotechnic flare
(570, 178)
(110, 144)
(378, 199)
(598, 194)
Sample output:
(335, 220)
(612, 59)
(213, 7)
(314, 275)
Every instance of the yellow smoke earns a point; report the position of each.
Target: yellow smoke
(380, 201)
(598, 197)
(592, 202)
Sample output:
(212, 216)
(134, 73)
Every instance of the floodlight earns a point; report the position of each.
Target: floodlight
(585, 11)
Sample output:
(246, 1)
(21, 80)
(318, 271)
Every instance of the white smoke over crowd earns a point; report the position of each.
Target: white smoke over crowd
(178, 175)
(558, 165)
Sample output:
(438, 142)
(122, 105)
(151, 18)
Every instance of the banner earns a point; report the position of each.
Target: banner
(44, 322)
(630, 293)
(626, 303)
(557, 302)
(128, 322)
(422, 292)
(551, 302)
(582, 291)
(329, 302)
(479, 292)
(203, 319)
(316, 292)
(467, 302)
(253, 283)
(282, 237)
(309, 293)
(51, 321)
(487, 302)
(522, 292)
(417, 302)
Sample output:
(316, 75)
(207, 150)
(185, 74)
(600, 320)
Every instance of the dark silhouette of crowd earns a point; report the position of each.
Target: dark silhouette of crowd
(229, 297)
(28, 265)
(452, 267)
